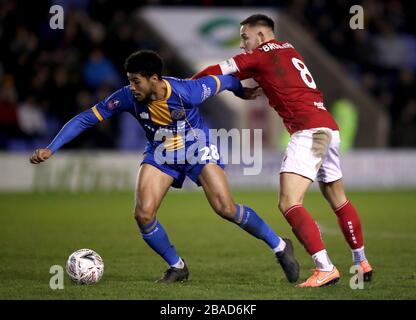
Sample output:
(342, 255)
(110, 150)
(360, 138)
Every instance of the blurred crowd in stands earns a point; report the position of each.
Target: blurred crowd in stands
(47, 76)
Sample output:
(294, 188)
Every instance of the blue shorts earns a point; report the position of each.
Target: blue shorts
(179, 171)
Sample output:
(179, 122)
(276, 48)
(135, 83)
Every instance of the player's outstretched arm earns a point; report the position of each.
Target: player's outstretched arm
(242, 66)
(114, 104)
(211, 70)
(216, 70)
(68, 132)
(201, 89)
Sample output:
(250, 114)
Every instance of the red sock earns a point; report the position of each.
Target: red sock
(350, 225)
(305, 228)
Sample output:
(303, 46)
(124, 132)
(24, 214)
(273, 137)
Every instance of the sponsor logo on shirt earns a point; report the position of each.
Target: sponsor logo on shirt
(112, 104)
(149, 127)
(319, 105)
(206, 93)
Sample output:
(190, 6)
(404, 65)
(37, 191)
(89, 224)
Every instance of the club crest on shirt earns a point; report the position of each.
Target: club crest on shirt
(112, 104)
(144, 115)
(178, 114)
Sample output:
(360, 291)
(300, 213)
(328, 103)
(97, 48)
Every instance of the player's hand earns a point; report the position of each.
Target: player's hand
(40, 155)
(252, 93)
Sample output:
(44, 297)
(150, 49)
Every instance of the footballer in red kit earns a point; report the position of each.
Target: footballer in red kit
(285, 80)
(313, 149)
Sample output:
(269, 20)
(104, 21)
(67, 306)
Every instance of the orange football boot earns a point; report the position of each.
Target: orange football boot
(321, 278)
(367, 270)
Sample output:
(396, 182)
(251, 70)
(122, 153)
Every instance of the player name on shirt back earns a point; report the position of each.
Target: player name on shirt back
(273, 46)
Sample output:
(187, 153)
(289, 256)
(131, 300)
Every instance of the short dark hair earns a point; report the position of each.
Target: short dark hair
(145, 62)
(258, 20)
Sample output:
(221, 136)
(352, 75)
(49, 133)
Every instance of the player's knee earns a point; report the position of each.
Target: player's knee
(286, 201)
(144, 213)
(225, 209)
(334, 193)
(283, 205)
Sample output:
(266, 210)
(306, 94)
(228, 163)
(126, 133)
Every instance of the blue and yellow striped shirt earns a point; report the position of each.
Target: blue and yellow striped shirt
(176, 112)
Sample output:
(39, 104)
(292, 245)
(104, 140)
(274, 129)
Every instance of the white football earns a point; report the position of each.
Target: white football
(85, 266)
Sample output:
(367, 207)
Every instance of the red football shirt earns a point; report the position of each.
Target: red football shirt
(286, 81)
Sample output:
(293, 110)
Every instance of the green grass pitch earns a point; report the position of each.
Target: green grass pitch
(38, 230)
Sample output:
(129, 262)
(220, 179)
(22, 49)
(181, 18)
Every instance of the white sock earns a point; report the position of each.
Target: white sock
(280, 247)
(179, 264)
(358, 255)
(322, 261)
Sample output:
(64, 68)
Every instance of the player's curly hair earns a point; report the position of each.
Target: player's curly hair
(145, 62)
(258, 20)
